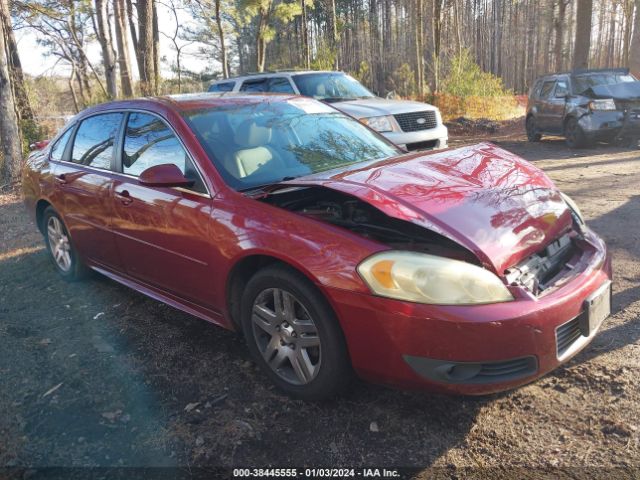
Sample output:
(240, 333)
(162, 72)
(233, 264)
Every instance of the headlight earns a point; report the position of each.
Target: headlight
(423, 278)
(380, 124)
(575, 210)
(607, 104)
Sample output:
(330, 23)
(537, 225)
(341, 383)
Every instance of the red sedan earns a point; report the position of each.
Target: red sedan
(460, 271)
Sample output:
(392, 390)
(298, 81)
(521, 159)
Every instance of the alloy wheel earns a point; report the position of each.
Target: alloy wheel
(59, 244)
(286, 336)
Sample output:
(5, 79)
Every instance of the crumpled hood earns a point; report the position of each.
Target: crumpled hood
(618, 91)
(373, 107)
(492, 202)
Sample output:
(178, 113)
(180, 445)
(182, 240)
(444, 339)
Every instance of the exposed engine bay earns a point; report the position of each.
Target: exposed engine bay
(541, 270)
(359, 217)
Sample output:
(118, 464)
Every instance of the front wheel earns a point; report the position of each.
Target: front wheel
(63, 254)
(574, 134)
(532, 130)
(294, 335)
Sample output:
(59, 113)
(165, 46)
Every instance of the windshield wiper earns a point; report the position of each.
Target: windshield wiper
(338, 99)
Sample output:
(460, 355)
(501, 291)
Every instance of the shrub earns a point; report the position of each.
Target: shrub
(467, 79)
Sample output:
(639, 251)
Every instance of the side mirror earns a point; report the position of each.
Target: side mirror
(165, 175)
(391, 95)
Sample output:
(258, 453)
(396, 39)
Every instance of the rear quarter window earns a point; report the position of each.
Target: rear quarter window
(57, 151)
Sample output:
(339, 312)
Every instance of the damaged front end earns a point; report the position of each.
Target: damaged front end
(361, 218)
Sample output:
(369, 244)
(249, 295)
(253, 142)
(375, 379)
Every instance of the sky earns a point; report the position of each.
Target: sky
(36, 63)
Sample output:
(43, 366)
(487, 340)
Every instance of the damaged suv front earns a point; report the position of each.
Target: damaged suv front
(586, 106)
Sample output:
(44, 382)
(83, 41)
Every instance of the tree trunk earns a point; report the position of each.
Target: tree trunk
(419, 40)
(15, 65)
(634, 51)
(334, 34)
(122, 41)
(145, 46)
(583, 34)
(156, 50)
(306, 52)
(11, 148)
(559, 27)
(223, 47)
(106, 45)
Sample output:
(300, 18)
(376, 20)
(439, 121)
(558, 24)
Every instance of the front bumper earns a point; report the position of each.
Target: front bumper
(433, 138)
(607, 125)
(401, 343)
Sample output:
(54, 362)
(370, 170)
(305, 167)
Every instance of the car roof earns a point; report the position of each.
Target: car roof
(585, 72)
(269, 74)
(191, 101)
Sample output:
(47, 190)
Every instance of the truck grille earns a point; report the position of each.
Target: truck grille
(416, 121)
(567, 334)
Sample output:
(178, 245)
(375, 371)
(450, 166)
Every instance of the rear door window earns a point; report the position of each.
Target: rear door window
(255, 86)
(57, 151)
(547, 88)
(94, 141)
(280, 85)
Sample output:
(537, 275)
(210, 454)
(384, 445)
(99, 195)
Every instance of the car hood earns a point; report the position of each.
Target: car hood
(372, 107)
(618, 91)
(488, 200)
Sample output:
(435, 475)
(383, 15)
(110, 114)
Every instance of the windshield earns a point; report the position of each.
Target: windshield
(583, 83)
(268, 142)
(330, 87)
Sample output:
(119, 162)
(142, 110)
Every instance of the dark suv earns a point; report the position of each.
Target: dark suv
(585, 106)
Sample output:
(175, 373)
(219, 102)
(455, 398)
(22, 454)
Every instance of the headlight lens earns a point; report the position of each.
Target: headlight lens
(423, 278)
(606, 104)
(380, 124)
(573, 206)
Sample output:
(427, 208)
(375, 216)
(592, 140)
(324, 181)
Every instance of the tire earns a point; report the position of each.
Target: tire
(574, 135)
(297, 342)
(63, 254)
(532, 130)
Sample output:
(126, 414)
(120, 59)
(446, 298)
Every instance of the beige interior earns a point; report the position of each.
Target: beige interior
(254, 138)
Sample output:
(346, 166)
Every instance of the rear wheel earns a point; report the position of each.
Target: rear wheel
(293, 335)
(63, 254)
(532, 130)
(574, 134)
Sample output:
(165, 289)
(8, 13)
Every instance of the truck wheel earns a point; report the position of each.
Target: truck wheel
(532, 130)
(574, 134)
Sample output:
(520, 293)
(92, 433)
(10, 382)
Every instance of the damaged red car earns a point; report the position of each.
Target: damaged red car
(462, 271)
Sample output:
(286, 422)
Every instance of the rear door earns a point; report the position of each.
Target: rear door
(84, 180)
(162, 233)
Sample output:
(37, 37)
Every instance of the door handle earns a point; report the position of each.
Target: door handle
(124, 197)
(61, 179)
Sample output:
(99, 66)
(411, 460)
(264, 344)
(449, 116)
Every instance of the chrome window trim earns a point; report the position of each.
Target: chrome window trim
(125, 111)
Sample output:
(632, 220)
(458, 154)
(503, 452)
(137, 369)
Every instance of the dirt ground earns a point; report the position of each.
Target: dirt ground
(94, 374)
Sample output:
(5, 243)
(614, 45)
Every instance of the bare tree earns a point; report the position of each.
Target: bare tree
(145, 48)
(583, 34)
(106, 44)
(9, 129)
(122, 41)
(223, 47)
(634, 51)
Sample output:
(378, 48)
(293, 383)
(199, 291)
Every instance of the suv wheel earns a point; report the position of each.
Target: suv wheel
(532, 130)
(574, 134)
(293, 335)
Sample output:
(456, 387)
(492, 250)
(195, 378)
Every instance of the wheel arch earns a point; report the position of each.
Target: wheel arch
(245, 267)
(41, 206)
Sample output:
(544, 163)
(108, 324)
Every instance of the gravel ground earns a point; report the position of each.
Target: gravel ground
(94, 374)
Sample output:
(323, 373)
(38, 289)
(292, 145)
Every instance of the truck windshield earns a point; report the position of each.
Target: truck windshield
(330, 87)
(585, 82)
(257, 144)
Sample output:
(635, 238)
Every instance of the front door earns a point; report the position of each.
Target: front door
(162, 233)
